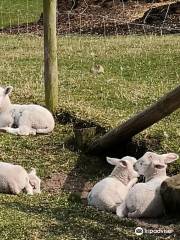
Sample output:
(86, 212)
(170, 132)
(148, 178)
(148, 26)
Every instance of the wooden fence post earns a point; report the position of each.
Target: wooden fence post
(50, 54)
(114, 138)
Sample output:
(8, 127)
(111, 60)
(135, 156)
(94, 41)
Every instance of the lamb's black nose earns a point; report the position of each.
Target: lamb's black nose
(141, 178)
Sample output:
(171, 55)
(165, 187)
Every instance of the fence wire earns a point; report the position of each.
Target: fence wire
(90, 37)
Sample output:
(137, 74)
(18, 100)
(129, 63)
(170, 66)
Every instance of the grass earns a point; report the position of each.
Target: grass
(17, 12)
(138, 70)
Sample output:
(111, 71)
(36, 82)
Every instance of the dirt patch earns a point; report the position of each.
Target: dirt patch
(79, 187)
(122, 18)
(163, 228)
(70, 183)
(80, 180)
(166, 16)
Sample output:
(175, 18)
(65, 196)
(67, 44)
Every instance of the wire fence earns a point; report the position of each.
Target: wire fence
(21, 55)
(26, 16)
(88, 37)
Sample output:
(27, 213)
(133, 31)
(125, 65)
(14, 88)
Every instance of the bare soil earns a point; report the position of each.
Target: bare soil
(79, 188)
(67, 182)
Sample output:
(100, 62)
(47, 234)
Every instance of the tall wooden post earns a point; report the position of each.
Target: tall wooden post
(50, 55)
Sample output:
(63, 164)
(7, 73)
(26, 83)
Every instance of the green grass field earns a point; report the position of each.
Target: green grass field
(16, 12)
(138, 70)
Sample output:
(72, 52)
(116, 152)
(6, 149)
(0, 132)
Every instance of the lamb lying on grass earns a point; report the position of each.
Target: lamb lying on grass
(14, 179)
(29, 119)
(144, 199)
(112, 190)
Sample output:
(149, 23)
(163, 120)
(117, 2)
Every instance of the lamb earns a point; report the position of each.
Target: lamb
(112, 190)
(14, 179)
(144, 199)
(23, 119)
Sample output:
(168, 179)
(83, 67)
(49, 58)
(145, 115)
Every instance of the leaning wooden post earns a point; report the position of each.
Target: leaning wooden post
(50, 54)
(114, 138)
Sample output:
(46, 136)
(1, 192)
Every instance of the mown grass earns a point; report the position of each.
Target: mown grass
(17, 12)
(138, 70)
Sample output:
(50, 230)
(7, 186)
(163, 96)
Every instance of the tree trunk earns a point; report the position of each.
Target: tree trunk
(113, 139)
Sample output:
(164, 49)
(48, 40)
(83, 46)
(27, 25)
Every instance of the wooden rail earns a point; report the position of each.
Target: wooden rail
(113, 139)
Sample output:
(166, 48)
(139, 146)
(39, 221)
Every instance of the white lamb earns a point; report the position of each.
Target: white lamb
(28, 119)
(14, 179)
(144, 199)
(112, 190)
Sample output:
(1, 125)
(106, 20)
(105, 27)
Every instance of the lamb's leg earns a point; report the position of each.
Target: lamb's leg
(23, 130)
(25, 125)
(14, 131)
(135, 214)
(132, 182)
(14, 189)
(29, 189)
(44, 130)
(122, 210)
(112, 209)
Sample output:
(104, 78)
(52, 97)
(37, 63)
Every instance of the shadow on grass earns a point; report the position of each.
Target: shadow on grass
(88, 168)
(92, 168)
(74, 220)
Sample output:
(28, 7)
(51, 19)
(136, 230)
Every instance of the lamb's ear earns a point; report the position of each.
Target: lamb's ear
(150, 155)
(112, 161)
(170, 157)
(159, 166)
(33, 171)
(123, 164)
(8, 90)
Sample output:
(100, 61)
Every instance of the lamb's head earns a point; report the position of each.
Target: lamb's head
(4, 98)
(153, 164)
(123, 170)
(35, 181)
